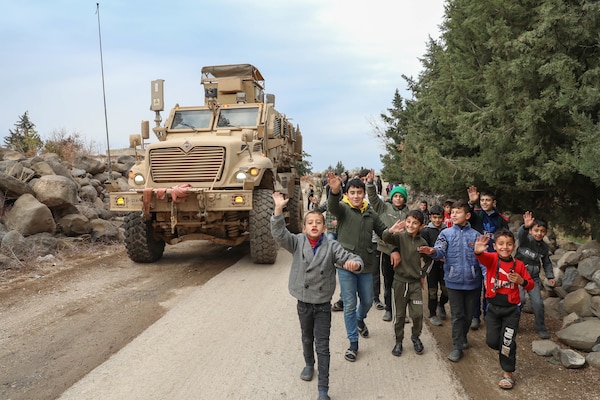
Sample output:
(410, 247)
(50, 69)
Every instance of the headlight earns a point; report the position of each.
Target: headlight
(240, 176)
(138, 179)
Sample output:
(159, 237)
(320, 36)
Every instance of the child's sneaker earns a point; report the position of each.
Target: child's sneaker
(417, 344)
(435, 321)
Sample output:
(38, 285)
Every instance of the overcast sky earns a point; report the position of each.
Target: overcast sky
(333, 65)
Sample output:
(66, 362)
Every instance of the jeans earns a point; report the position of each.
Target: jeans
(350, 285)
(462, 304)
(481, 304)
(537, 304)
(435, 280)
(315, 323)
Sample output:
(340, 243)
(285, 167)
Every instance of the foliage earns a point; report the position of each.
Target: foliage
(508, 100)
(68, 146)
(24, 138)
(304, 166)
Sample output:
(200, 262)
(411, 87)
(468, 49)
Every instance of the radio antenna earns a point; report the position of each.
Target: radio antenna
(104, 96)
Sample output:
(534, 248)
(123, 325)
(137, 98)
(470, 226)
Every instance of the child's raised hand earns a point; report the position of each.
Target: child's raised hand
(473, 194)
(371, 175)
(280, 202)
(481, 244)
(528, 219)
(351, 265)
(398, 226)
(334, 182)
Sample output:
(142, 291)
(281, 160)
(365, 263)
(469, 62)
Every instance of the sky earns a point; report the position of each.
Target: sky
(333, 65)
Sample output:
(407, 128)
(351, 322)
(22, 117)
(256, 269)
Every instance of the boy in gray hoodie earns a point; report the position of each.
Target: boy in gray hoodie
(312, 282)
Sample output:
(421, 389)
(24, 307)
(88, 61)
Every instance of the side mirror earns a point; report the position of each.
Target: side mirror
(135, 141)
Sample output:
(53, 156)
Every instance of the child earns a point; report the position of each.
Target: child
(504, 276)
(534, 253)
(435, 274)
(356, 222)
(447, 211)
(389, 212)
(485, 219)
(462, 273)
(312, 282)
(409, 277)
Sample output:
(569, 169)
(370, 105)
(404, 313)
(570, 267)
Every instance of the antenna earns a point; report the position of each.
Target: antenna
(104, 96)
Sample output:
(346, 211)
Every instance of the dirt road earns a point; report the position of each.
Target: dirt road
(237, 337)
(192, 327)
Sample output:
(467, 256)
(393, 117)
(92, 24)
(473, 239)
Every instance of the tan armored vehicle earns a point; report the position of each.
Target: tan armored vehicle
(212, 172)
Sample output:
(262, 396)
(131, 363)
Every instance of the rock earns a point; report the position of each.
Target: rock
(89, 164)
(588, 267)
(56, 191)
(595, 306)
(5, 261)
(88, 193)
(43, 244)
(569, 259)
(572, 281)
(12, 187)
(582, 336)
(578, 302)
(592, 288)
(28, 216)
(593, 359)
(571, 319)
(552, 308)
(544, 348)
(74, 225)
(13, 242)
(43, 168)
(569, 358)
(103, 230)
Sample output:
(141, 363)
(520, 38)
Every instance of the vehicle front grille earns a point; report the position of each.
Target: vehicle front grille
(200, 164)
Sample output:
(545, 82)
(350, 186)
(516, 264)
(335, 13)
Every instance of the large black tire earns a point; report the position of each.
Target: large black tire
(295, 210)
(263, 248)
(141, 245)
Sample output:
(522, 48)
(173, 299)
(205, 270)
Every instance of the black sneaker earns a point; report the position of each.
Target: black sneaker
(338, 306)
(397, 351)
(475, 324)
(378, 304)
(307, 373)
(455, 355)
(418, 345)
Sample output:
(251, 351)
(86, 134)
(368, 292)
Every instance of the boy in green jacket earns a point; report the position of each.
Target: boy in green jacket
(409, 277)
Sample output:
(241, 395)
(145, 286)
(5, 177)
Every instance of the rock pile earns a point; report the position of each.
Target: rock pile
(45, 200)
(577, 269)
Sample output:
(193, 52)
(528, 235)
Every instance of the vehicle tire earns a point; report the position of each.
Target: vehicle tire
(295, 210)
(141, 245)
(263, 248)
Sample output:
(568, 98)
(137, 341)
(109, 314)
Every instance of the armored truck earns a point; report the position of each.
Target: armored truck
(211, 174)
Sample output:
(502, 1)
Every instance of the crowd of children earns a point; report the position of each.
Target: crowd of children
(461, 252)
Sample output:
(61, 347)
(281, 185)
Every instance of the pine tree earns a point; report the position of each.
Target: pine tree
(509, 100)
(24, 138)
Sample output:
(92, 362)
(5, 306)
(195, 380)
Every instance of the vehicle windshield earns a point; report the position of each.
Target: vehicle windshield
(192, 119)
(237, 117)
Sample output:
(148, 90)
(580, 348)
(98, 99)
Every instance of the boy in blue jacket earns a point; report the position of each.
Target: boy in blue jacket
(312, 282)
(462, 273)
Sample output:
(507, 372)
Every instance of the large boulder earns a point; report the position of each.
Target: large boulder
(75, 225)
(29, 216)
(578, 302)
(56, 191)
(582, 336)
(12, 187)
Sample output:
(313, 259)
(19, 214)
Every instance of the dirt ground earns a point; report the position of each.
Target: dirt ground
(62, 318)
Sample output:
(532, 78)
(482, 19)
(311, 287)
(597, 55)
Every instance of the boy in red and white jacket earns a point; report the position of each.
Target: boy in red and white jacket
(504, 274)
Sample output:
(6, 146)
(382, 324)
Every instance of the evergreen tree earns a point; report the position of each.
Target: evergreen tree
(509, 100)
(304, 166)
(24, 138)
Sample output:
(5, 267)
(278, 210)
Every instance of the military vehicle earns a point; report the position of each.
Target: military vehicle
(211, 174)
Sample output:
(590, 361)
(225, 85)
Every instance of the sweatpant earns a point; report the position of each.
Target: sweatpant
(435, 282)
(502, 323)
(407, 294)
